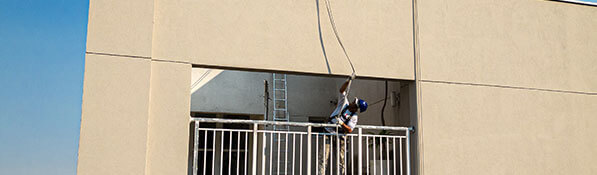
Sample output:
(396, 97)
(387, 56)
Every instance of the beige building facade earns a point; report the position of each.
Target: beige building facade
(494, 87)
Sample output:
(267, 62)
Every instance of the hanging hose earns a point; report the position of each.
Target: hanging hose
(331, 17)
(333, 23)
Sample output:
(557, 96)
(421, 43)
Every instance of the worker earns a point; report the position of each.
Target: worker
(347, 120)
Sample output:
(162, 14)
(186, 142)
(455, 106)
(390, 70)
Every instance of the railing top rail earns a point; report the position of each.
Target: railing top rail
(303, 124)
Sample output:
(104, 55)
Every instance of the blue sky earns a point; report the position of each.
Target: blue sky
(42, 49)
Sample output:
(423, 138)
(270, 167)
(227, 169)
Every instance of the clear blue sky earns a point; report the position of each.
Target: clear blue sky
(42, 49)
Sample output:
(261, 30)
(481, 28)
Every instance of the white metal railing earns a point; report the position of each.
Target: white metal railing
(257, 149)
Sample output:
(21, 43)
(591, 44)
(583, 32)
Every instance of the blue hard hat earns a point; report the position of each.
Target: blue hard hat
(362, 105)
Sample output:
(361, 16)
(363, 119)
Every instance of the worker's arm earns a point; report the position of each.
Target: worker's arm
(346, 128)
(345, 85)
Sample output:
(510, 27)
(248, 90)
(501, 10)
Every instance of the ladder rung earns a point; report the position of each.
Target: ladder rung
(279, 109)
(279, 79)
(279, 89)
(279, 99)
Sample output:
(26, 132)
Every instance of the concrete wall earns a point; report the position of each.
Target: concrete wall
(287, 35)
(507, 87)
(501, 86)
(135, 110)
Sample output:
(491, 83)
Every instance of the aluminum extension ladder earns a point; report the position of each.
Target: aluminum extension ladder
(280, 114)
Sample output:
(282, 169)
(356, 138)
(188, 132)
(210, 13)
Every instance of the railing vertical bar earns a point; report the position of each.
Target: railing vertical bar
(367, 149)
(329, 152)
(204, 151)
(278, 156)
(230, 152)
(301, 155)
(407, 152)
(271, 152)
(316, 154)
(374, 158)
(345, 157)
(388, 154)
(222, 153)
(246, 150)
(394, 153)
(293, 148)
(237, 152)
(360, 148)
(400, 144)
(213, 154)
(254, 153)
(338, 161)
(196, 148)
(263, 154)
(309, 150)
(286, 154)
(351, 154)
(380, 155)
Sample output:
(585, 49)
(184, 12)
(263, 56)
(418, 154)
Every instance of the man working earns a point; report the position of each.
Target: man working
(345, 115)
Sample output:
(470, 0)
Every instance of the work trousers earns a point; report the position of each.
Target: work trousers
(332, 140)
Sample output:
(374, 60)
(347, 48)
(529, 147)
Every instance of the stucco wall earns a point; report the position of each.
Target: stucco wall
(285, 35)
(492, 130)
(534, 44)
(114, 117)
(507, 87)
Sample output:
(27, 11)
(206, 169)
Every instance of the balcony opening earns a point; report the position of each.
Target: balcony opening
(275, 123)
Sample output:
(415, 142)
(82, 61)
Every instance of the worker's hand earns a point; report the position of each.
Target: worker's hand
(340, 122)
(353, 76)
